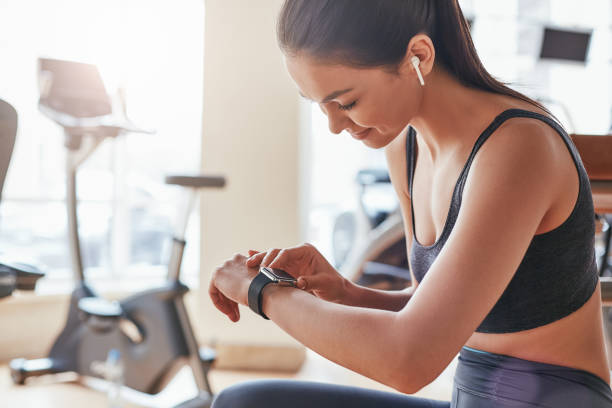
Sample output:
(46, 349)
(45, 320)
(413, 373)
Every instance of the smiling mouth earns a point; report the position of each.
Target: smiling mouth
(361, 135)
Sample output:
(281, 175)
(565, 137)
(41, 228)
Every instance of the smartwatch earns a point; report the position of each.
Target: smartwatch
(265, 276)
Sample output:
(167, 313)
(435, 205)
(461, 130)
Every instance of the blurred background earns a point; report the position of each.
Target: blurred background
(208, 78)
(155, 51)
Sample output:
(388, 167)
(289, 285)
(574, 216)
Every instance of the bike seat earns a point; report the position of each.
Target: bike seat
(7, 282)
(25, 275)
(368, 177)
(196, 181)
(108, 125)
(101, 308)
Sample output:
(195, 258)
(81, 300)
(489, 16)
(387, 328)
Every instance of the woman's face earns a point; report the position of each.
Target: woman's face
(372, 104)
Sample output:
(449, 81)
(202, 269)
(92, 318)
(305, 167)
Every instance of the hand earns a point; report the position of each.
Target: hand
(305, 263)
(229, 286)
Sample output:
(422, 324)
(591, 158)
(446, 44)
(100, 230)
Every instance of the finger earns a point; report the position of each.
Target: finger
(253, 252)
(255, 260)
(236, 313)
(277, 261)
(312, 282)
(222, 306)
(270, 255)
(222, 302)
(290, 262)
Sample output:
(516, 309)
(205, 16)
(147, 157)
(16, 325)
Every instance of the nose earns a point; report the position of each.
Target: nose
(336, 119)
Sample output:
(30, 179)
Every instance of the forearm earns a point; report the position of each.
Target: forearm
(392, 300)
(361, 339)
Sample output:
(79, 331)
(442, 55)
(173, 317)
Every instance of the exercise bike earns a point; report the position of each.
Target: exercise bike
(368, 245)
(13, 275)
(150, 330)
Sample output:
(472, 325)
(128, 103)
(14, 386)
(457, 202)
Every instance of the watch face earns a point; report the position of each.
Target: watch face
(277, 275)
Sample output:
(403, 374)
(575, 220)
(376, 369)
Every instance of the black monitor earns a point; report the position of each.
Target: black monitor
(568, 45)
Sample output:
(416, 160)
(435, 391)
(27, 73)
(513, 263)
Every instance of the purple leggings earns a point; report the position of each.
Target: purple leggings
(482, 380)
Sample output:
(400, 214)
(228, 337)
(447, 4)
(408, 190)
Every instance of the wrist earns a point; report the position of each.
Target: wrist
(350, 293)
(268, 294)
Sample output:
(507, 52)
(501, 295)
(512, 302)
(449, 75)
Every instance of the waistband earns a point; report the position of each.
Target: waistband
(507, 377)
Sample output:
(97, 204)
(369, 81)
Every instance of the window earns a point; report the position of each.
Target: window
(154, 51)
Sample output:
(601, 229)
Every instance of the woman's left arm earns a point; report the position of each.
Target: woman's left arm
(512, 184)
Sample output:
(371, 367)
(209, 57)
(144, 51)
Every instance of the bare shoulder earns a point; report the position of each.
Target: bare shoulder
(525, 144)
(525, 155)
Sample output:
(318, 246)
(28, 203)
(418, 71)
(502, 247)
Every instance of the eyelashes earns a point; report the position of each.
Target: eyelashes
(347, 107)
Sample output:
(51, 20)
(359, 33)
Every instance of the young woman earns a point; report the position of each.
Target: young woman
(497, 210)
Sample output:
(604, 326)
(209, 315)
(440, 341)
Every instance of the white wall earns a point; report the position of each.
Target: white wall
(251, 134)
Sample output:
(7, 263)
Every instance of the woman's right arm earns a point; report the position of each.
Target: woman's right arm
(393, 300)
(322, 279)
(317, 276)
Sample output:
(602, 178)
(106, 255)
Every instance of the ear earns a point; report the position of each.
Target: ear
(421, 46)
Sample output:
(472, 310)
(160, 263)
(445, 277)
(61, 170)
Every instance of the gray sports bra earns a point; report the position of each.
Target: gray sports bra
(558, 273)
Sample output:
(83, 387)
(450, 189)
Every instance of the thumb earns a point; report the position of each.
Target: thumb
(312, 282)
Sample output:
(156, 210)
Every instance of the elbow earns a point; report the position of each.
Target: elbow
(416, 365)
(410, 387)
(414, 378)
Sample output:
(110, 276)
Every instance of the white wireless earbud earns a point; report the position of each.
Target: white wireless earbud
(415, 63)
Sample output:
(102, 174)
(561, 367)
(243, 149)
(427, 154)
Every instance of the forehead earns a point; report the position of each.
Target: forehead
(316, 79)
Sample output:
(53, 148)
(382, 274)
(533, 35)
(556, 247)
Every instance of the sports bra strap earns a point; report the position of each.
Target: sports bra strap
(411, 145)
(410, 156)
(497, 122)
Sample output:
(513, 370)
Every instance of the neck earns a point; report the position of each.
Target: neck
(452, 114)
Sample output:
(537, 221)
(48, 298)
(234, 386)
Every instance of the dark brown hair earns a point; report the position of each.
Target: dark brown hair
(375, 33)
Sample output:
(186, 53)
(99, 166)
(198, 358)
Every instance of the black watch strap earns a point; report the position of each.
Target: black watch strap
(255, 289)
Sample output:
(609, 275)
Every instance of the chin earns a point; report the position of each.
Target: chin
(373, 144)
(377, 140)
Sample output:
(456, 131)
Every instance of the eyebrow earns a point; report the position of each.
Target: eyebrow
(332, 95)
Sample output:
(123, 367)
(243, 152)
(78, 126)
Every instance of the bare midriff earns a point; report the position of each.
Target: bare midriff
(575, 341)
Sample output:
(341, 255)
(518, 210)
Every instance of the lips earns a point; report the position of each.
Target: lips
(360, 135)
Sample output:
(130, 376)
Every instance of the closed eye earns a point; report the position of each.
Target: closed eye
(347, 107)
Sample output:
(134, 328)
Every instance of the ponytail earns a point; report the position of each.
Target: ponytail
(375, 33)
(457, 54)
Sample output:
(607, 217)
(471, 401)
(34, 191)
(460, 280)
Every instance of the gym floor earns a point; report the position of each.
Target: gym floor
(45, 394)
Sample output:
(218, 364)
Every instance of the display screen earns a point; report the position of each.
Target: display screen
(565, 44)
(277, 273)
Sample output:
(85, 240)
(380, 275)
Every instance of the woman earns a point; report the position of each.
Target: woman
(497, 210)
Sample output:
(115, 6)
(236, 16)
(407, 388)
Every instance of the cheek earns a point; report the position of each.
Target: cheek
(370, 114)
(382, 115)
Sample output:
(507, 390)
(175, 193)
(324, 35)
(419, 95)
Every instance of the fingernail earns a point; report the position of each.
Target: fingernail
(301, 284)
